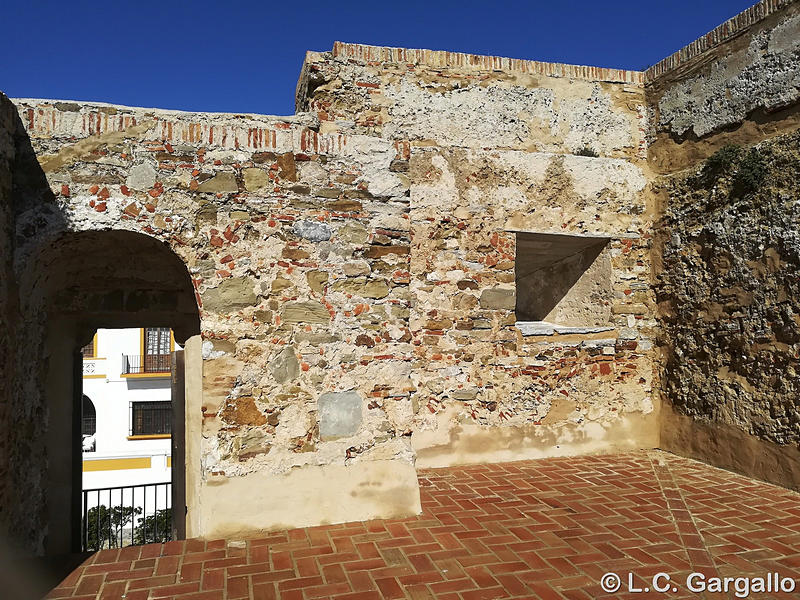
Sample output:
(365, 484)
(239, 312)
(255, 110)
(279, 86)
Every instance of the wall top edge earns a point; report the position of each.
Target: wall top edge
(446, 59)
(299, 118)
(728, 30)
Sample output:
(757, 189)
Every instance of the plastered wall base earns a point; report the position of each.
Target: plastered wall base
(472, 444)
(730, 448)
(306, 496)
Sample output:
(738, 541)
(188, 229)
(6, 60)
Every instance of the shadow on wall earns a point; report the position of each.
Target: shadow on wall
(23, 187)
(563, 279)
(60, 285)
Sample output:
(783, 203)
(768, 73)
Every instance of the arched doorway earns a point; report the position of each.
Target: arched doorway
(78, 283)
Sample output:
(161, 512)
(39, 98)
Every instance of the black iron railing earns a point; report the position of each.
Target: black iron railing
(126, 515)
(137, 364)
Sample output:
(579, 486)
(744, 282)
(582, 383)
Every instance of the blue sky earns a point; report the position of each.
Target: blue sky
(246, 56)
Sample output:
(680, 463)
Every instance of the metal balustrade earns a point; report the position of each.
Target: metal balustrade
(126, 515)
(138, 364)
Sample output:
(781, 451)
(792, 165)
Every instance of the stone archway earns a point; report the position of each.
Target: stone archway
(75, 283)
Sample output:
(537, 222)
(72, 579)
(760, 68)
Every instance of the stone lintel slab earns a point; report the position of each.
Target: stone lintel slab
(544, 328)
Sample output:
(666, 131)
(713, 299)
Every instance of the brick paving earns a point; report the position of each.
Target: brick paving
(533, 529)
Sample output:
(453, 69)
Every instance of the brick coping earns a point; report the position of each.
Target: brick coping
(728, 30)
(440, 58)
(478, 62)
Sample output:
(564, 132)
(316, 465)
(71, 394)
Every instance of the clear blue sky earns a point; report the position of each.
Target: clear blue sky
(245, 56)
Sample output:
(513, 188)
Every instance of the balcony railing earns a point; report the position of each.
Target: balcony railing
(126, 515)
(137, 364)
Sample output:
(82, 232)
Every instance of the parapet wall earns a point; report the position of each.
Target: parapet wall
(360, 268)
(452, 99)
(739, 84)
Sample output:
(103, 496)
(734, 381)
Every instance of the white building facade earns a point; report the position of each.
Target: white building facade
(127, 413)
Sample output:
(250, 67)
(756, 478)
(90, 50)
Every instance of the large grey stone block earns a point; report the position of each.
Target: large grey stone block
(339, 414)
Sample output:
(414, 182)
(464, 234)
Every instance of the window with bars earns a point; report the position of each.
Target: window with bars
(151, 418)
(88, 417)
(157, 340)
(88, 350)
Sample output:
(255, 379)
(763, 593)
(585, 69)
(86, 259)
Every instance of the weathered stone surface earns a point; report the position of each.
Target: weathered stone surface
(317, 339)
(354, 233)
(287, 167)
(465, 395)
(285, 366)
(222, 182)
(279, 283)
(264, 316)
(498, 299)
(313, 231)
(729, 292)
(255, 179)
(356, 268)
(317, 281)
(372, 288)
(339, 414)
(142, 177)
(381, 251)
(305, 312)
(294, 253)
(243, 411)
(230, 294)
(629, 309)
(544, 328)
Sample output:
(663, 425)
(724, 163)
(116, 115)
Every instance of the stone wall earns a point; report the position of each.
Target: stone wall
(464, 100)
(8, 314)
(298, 247)
(494, 147)
(355, 283)
(726, 256)
(359, 269)
(730, 307)
(737, 85)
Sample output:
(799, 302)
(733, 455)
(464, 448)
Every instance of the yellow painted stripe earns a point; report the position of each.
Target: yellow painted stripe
(114, 464)
(151, 436)
(169, 461)
(94, 376)
(140, 375)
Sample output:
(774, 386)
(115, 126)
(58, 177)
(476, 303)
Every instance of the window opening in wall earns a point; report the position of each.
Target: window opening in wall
(157, 342)
(88, 425)
(156, 348)
(90, 349)
(151, 418)
(563, 280)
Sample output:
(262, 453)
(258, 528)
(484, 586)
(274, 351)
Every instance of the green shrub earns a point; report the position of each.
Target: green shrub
(750, 173)
(721, 160)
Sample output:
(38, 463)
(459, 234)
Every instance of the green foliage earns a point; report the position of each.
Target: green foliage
(105, 525)
(154, 528)
(747, 170)
(587, 151)
(721, 161)
(751, 172)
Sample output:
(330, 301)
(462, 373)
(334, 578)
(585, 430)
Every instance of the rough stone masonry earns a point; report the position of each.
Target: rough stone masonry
(441, 258)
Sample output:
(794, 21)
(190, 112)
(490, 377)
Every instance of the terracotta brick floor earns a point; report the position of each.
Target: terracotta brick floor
(535, 529)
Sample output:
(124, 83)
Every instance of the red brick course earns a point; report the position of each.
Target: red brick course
(532, 529)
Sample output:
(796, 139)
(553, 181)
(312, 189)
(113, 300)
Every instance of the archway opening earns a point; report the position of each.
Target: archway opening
(82, 284)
